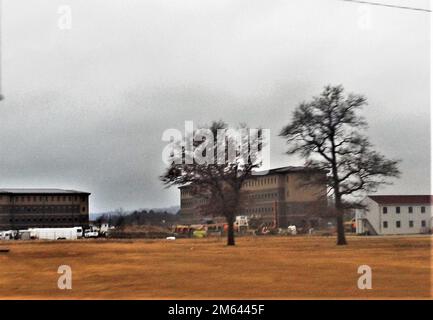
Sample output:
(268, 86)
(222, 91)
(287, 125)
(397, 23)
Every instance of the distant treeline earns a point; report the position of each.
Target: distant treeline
(137, 218)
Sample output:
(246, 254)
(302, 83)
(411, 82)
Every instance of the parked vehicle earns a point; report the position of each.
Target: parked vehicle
(53, 233)
(241, 223)
(8, 235)
(79, 231)
(24, 235)
(292, 230)
(92, 232)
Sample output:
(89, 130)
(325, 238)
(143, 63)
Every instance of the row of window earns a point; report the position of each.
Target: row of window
(185, 192)
(258, 210)
(23, 220)
(263, 195)
(193, 202)
(398, 224)
(41, 209)
(44, 198)
(260, 182)
(188, 203)
(398, 210)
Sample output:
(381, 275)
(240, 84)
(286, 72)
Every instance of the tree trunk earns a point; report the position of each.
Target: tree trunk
(230, 232)
(341, 238)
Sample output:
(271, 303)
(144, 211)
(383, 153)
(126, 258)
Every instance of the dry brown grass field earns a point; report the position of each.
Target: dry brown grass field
(257, 268)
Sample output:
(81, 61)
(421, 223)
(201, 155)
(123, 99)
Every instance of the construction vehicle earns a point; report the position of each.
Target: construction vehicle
(241, 224)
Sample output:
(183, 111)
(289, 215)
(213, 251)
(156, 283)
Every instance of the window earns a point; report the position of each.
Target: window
(422, 209)
(410, 210)
(423, 223)
(410, 224)
(397, 209)
(385, 210)
(385, 224)
(398, 224)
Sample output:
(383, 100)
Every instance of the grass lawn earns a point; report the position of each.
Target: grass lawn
(258, 267)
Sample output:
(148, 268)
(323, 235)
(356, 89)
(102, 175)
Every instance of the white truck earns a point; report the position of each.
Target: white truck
(79, 231)
(54, 233)
(92, 232)
(7, 235)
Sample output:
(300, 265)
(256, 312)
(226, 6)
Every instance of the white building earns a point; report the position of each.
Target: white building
(397, 214)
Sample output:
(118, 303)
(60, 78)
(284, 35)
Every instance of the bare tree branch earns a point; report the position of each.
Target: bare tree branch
(326, 132)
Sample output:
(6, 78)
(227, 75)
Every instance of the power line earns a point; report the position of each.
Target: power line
(388, 5)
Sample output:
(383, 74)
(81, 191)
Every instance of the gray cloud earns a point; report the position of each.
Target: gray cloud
(85, 108)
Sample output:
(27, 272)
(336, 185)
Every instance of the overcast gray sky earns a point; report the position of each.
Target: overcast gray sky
(85, 108)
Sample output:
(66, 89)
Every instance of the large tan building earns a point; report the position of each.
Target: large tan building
(31, 208)
(280, 198)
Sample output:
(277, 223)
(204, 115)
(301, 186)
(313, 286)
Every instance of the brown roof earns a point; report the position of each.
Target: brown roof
(399, 199)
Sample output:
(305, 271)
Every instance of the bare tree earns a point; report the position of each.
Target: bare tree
(327, 132)
(217, 180)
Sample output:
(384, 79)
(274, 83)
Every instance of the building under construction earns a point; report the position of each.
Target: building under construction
(280, 198)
